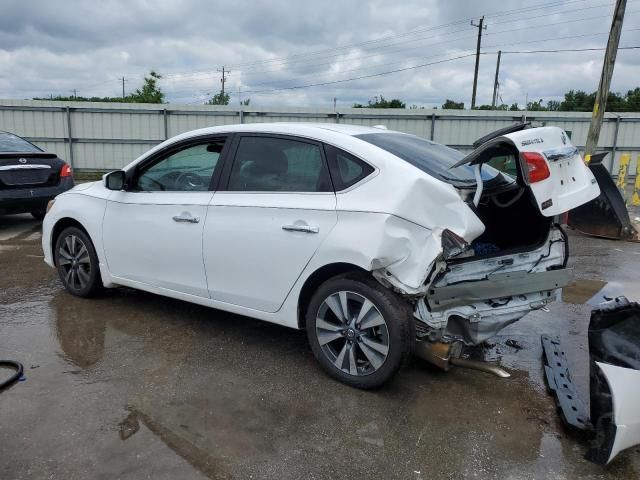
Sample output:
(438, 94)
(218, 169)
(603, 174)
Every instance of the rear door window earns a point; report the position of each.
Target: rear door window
(274, 164)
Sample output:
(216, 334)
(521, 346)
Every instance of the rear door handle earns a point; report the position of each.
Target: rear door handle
(185, 217)
(301, 228)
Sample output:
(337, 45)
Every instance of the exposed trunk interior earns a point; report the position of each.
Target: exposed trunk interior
(512, 221)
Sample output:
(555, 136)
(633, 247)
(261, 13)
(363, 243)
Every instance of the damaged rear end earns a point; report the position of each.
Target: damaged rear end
(480, 285)
(480, 281)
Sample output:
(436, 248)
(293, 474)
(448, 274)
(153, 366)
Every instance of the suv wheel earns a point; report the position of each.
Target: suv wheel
(77, 262)
(359, 331)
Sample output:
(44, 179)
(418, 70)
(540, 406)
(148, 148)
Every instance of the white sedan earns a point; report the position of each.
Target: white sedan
(378, 243)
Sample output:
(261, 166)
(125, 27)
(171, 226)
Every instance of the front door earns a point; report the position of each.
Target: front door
(152, 232)
(264, 227)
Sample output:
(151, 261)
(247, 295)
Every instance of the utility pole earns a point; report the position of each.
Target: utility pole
(494, 99)
(605, 78)
(223, 79)
(481, 27)
(123, 80)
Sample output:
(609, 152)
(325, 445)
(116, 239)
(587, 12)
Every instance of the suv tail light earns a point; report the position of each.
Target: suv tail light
(536, 165)
(65, 171)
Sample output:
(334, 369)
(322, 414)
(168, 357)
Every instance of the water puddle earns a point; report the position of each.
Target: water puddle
(594, 292)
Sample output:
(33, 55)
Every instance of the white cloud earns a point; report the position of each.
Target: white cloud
(55, 47)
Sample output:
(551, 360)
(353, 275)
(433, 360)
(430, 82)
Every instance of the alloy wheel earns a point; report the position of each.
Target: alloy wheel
(74, 260)
(352, 333)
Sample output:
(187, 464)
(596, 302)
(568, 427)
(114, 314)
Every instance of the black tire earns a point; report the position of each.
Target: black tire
(38, 214)
(82, 276)
(398, 331)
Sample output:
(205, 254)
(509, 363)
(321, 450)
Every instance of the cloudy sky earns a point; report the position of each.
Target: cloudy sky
(270, 46)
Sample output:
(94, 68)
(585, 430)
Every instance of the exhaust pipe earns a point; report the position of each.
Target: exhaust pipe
(443, 355)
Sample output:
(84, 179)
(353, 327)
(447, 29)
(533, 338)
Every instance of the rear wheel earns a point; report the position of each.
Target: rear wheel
(359, 331)
(77, 262)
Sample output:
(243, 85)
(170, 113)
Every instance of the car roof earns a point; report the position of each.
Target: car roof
(291, 128)
(338, 134)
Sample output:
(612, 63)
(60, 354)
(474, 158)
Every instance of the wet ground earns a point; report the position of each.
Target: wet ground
(132, 385)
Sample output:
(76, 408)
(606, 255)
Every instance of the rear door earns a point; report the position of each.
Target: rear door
(264, 227)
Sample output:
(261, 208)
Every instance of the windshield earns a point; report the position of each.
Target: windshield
(12, 143)
(430, 157)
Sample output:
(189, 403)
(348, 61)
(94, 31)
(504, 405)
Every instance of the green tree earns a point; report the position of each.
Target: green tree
(245, 102)
(514, 107)
(633, 100)
(553, 105)
(150, 92)
(536, 106)
(381, 102)
(219, 99)
(452, 105)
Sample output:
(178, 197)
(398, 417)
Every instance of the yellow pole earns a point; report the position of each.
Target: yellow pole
(635, 198)
(625, 158)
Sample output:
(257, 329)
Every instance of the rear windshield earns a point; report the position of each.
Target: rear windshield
(12, 143)
(430, 157)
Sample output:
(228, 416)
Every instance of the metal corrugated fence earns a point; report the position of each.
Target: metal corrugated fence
(105, 136)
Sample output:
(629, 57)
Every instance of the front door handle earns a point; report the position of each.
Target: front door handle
(186, 217)
(301, 228)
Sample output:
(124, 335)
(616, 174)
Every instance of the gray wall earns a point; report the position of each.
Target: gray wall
(103, 136)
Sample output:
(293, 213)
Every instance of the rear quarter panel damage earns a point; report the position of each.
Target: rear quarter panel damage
(399, 223)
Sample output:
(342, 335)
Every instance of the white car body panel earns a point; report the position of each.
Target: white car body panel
(571, 183)
(271, 258)
(624, 384)
(390, 224)
(143, 243)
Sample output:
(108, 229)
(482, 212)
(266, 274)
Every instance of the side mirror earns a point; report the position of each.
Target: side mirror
(114, 180)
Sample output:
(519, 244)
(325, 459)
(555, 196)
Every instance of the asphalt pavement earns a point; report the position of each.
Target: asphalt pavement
(131, 385)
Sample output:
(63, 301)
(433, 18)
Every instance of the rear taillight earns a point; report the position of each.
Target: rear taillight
(65, 171)
(452, 244)
(536, 165)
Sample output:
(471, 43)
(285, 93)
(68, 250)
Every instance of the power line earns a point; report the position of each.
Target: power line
(449, 41)
(413, 67)
(413, 32)
(332, 51)
(439, 43)
(361, 77)
(491, 46)
(567, 50)
(360, 57)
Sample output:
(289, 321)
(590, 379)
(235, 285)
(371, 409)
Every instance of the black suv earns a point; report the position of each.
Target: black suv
(29, 177)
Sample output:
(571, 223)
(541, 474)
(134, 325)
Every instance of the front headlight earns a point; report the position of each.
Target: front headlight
(50, 204)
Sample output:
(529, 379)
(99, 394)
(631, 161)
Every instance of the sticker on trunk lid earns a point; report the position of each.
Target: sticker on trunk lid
(531, 141)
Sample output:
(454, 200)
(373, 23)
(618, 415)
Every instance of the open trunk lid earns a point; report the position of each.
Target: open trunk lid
(546, 163)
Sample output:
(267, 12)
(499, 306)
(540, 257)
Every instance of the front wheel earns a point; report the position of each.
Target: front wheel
(359, 331)
(77, 262)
